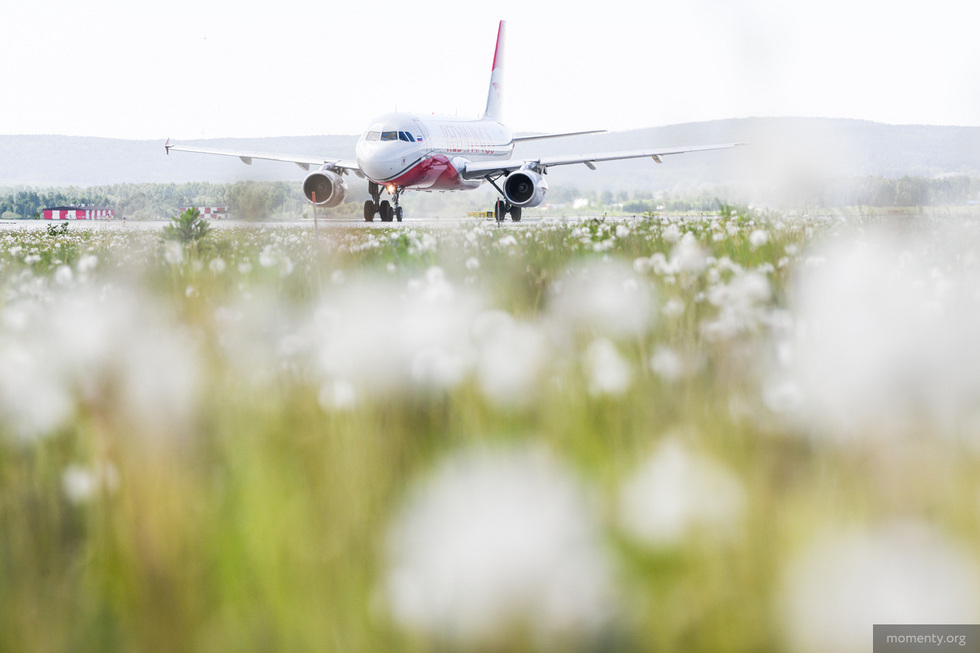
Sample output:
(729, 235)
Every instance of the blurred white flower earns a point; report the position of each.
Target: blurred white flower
(758, 238)
(675, 493)
(217, 265)
(337, 395)
(173, 252)
(672, 233)
(87, 263)
(674, 307)
(63, 276)
(88, 347)
(80, 483)
(836, 589)
(608, 372)
(35, 398)
(512, 357)
(673, 366)
(604, 298)
(742, 303)
(267, 257)
(688, 255)
(885, 346)
(496, 543)
(384, 338)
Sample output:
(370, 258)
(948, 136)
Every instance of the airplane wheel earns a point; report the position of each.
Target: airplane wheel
(385, 210)
(515, 213)
(369, 211)
(399, 213)
(498, 211)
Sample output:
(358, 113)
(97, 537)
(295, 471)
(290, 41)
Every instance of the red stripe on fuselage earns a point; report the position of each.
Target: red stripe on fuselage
(433, 173)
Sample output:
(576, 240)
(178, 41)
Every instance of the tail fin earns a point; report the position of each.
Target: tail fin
(494, 107)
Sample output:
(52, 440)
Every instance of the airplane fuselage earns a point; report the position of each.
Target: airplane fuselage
(413, 151)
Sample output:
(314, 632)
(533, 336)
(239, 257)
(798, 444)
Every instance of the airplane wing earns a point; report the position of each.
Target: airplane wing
(537, 137)
(485, 169)
(302, 161)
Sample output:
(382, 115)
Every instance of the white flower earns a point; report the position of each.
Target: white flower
(604, 299)
(672, 233)
(87, 263)
(338, 395)
(687, 255)
(63, 275)
(671, 366)
(511, 359)
(217, 265)
(173, 253)
(836, 589)
(385, 339)
(267, 257)
(35, 398)
(885, 347)
(758, 238)
(80, 484)
(676, 493)
(496, 543)
(608, 372)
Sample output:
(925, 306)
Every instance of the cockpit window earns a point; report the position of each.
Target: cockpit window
(389, 136)
(373, 136)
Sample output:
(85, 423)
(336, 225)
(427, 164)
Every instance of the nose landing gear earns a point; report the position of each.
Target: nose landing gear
(387, 210)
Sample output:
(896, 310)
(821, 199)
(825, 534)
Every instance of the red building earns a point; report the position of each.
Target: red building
(78, 213)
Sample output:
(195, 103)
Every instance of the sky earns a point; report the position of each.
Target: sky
(190, 69)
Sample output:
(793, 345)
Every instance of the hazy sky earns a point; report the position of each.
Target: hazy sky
(213, 68)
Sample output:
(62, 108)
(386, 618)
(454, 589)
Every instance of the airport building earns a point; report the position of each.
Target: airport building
(78, 213)
(214, 212)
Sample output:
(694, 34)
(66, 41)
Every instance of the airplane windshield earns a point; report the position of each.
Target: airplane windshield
(385, 135)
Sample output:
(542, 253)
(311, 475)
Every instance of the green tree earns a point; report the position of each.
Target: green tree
(187, 227)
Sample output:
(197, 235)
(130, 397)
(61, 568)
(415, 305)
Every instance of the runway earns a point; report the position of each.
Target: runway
(323, 223)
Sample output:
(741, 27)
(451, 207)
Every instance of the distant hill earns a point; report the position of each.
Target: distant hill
(781, 151)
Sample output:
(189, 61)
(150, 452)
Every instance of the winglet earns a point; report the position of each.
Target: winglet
(167, 146)
(494, 104)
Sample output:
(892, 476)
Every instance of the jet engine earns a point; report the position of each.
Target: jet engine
(525, 188)
(328, 187)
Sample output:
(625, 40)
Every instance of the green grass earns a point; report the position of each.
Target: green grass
(247, 512)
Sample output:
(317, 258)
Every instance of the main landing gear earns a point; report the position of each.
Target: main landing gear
(501, 208)
(387, 210)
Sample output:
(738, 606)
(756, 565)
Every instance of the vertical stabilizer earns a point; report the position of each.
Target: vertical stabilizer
(493, 111)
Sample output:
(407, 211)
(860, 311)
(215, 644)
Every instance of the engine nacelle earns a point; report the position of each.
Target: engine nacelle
(525, 188)
(329, 187)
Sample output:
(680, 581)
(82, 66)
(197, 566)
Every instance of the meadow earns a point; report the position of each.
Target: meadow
(736, 431)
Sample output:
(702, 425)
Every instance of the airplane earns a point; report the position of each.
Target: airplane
(407, 151)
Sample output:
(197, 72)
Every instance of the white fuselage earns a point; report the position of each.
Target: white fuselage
(427, 152)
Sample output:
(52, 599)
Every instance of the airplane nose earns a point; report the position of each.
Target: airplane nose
(377, 170)
(378, 165)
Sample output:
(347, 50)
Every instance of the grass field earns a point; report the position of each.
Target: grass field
(736, 432)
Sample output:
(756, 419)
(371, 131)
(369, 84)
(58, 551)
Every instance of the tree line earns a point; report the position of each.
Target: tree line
(246, 200)
(255, 200)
